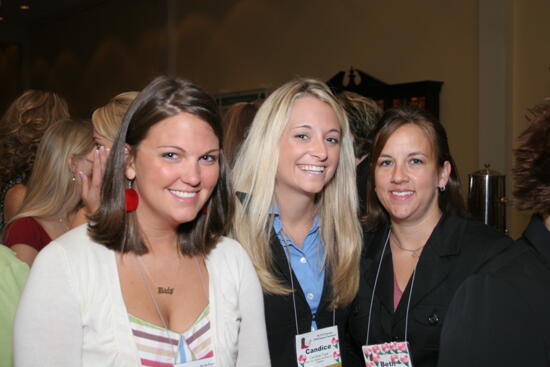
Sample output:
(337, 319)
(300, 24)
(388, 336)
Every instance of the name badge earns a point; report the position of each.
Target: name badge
(319, 348)
(394, 354)
(207, 362)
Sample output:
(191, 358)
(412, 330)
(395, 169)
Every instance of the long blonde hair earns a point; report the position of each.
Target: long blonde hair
(51, 183)
(255, 172)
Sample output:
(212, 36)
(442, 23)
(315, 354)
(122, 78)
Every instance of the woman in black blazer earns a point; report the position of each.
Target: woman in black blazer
(419, 246)
(297, 218)
(501, 317)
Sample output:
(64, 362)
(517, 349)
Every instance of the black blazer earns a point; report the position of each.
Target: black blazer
(279, 314)
(501, 317)
(456, 249)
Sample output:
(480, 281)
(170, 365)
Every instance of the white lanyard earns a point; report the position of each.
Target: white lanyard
(374, 290)
(285, 246)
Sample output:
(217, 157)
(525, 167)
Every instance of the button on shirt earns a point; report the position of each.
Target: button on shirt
(306, 261)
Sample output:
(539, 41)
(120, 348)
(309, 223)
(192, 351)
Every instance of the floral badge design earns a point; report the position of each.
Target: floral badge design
(302, 360)
(335, 342)
(395, 352)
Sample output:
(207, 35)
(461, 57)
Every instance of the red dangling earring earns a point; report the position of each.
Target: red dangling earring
(131, 198)
(205, 209)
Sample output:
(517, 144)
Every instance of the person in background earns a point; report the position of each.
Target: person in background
(419, 245)
(65, 154)
(363, 113)
(297, 217)
(21, 129)
(237, 120)
(13, 274)
(152, 280)
(106, 121)
(500, 317)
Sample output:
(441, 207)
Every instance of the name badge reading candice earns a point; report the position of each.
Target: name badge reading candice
(207, 362)
(394, 354)
(319, 348)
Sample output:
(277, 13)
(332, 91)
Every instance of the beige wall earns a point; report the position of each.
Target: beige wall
(248, 44)
(261, 43)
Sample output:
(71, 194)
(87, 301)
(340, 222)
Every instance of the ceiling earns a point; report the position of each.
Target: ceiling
(40, 10)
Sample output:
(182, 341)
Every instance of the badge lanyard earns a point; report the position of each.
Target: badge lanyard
(317, 348)
(374, 291)
(287, 253)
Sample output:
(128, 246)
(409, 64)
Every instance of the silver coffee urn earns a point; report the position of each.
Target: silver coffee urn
(487, 197)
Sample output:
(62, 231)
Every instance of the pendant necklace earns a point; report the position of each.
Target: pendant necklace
(160, 289)
(414, 253)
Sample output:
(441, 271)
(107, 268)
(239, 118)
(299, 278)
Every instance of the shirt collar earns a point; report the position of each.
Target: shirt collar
(278, 226)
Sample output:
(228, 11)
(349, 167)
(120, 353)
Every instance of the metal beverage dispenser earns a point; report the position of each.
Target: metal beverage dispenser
(487, 197)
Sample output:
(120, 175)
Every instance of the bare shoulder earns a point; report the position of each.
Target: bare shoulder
(13, 200)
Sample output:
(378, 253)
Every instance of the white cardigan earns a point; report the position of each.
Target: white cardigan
(72, 312)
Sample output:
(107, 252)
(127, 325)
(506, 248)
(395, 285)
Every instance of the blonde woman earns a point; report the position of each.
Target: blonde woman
(64, 155)
(106, 121)
(21, 129)
(297, 216)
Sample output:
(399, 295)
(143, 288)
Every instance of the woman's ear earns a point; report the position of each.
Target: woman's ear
(72, 163)
(444, 174)
(130, 171)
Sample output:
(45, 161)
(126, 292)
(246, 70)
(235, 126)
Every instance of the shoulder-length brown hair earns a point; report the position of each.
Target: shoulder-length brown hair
(532, 171)
(450, 200)
(118, 230)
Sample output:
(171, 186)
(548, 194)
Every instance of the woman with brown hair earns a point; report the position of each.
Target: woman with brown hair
(21, 129)
(500, 316)
(153, 280)
(419, 245)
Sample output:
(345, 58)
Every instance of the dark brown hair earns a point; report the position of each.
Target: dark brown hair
(238, 119)
(363, 114)
(532, 172)
(22, 127)
(450, 200)
(112, 225)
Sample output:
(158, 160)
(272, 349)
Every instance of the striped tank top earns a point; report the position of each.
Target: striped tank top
(160, 347)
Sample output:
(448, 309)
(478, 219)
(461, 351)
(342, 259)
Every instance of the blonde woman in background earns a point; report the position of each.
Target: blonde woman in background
(63, 157)
(21, 129)
(106, 121)
(297, 215)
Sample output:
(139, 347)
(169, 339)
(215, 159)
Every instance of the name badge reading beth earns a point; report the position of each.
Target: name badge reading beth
(207, 362)
(394, 354)
(319, 348)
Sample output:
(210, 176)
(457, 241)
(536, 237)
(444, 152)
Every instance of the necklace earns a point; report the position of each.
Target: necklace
(160, 289)
(414, 253)
(169, 290)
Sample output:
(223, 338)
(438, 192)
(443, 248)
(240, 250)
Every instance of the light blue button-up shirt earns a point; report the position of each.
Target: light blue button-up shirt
(306, 261)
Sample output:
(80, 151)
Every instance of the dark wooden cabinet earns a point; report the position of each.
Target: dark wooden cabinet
(424, 94)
